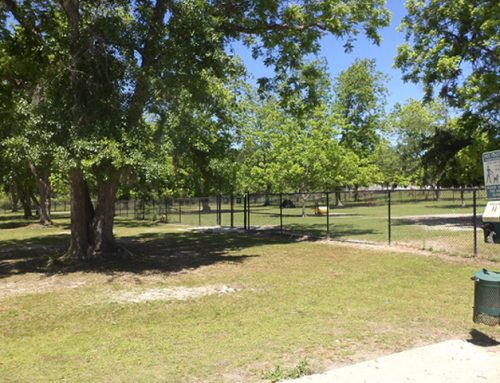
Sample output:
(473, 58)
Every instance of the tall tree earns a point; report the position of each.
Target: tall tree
(103, 66)
(453, 47)
(359, 99)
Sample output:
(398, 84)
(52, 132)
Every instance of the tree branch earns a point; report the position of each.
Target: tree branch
(142, 87)
(267, 27)
(21, 18)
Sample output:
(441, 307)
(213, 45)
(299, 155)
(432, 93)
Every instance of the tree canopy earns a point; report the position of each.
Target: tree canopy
(104, 73)
(452, 46)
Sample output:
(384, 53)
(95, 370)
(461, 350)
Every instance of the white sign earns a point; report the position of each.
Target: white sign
(492, 212)
(491, 166)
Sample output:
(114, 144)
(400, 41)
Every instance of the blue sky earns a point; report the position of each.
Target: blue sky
(338, 60)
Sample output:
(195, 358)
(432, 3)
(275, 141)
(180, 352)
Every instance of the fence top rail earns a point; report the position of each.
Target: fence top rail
(284, 194)
(368, 191)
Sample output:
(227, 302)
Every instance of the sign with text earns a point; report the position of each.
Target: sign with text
(491, 166)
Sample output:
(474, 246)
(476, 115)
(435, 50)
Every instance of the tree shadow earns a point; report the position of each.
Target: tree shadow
(464, 221)
(15, 221)
(150, 253)
(479, 338)
(318, 231)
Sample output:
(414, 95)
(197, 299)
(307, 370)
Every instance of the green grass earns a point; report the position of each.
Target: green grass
(296, 301)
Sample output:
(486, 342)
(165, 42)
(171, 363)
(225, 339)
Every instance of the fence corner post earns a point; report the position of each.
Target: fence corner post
(180, 210)
(474, 217)
(389, 203)
(281, 213)
(199, 211)
(248, 210)
(244, 211)
(231, 203)
(327, 215)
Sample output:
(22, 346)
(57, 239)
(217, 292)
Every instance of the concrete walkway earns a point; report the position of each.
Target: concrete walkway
(454, 361)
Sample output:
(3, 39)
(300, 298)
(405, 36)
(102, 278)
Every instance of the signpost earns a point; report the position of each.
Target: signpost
(491, 215)
(491, 166)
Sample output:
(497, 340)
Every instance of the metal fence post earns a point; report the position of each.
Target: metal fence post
(180, 211)
(199, 212)
(281, 213)
(389, 202)
(245, 211)
(474, 217)
(248, 211)
(218, 209)
(328, 215)
(232, 210)
(165, 206)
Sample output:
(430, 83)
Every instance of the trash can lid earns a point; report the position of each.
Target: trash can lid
(486, 275)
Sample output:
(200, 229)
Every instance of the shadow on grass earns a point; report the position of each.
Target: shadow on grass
(465, 221)
(318, 231)
(15, 221)
(309, 214)
(479, 338)
(151, 253)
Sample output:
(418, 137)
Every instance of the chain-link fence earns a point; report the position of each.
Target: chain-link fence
(443, 220)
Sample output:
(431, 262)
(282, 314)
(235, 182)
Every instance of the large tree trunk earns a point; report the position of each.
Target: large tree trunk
(82, 214)
(44, 192)
(338, 198)
(303, 200)
(104, 244)
(25, 198)
(92, 230)
(205, 203)
(462, 197)
(14, 197)
(267, 196)
(437, 192)
(356, 193)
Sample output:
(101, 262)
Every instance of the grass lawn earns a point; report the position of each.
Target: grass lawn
(289, 304)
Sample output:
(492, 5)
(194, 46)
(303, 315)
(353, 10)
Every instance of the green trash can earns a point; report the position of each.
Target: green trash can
(486, 297)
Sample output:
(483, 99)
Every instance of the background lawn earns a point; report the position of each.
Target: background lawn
(328, 304)
(444, 226)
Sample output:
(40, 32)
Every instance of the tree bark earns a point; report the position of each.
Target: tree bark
(82, 214)
(44, 192)
(303, 200)
(267, 196)
(15, 199)
(92, 230)
(437, 192)
(103, 241)
(25, 198)
(462, 197)
(338, 199)
(205, 203)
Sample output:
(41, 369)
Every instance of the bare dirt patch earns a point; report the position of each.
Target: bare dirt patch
(170, 294)
(453, 222)
(38, 284)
